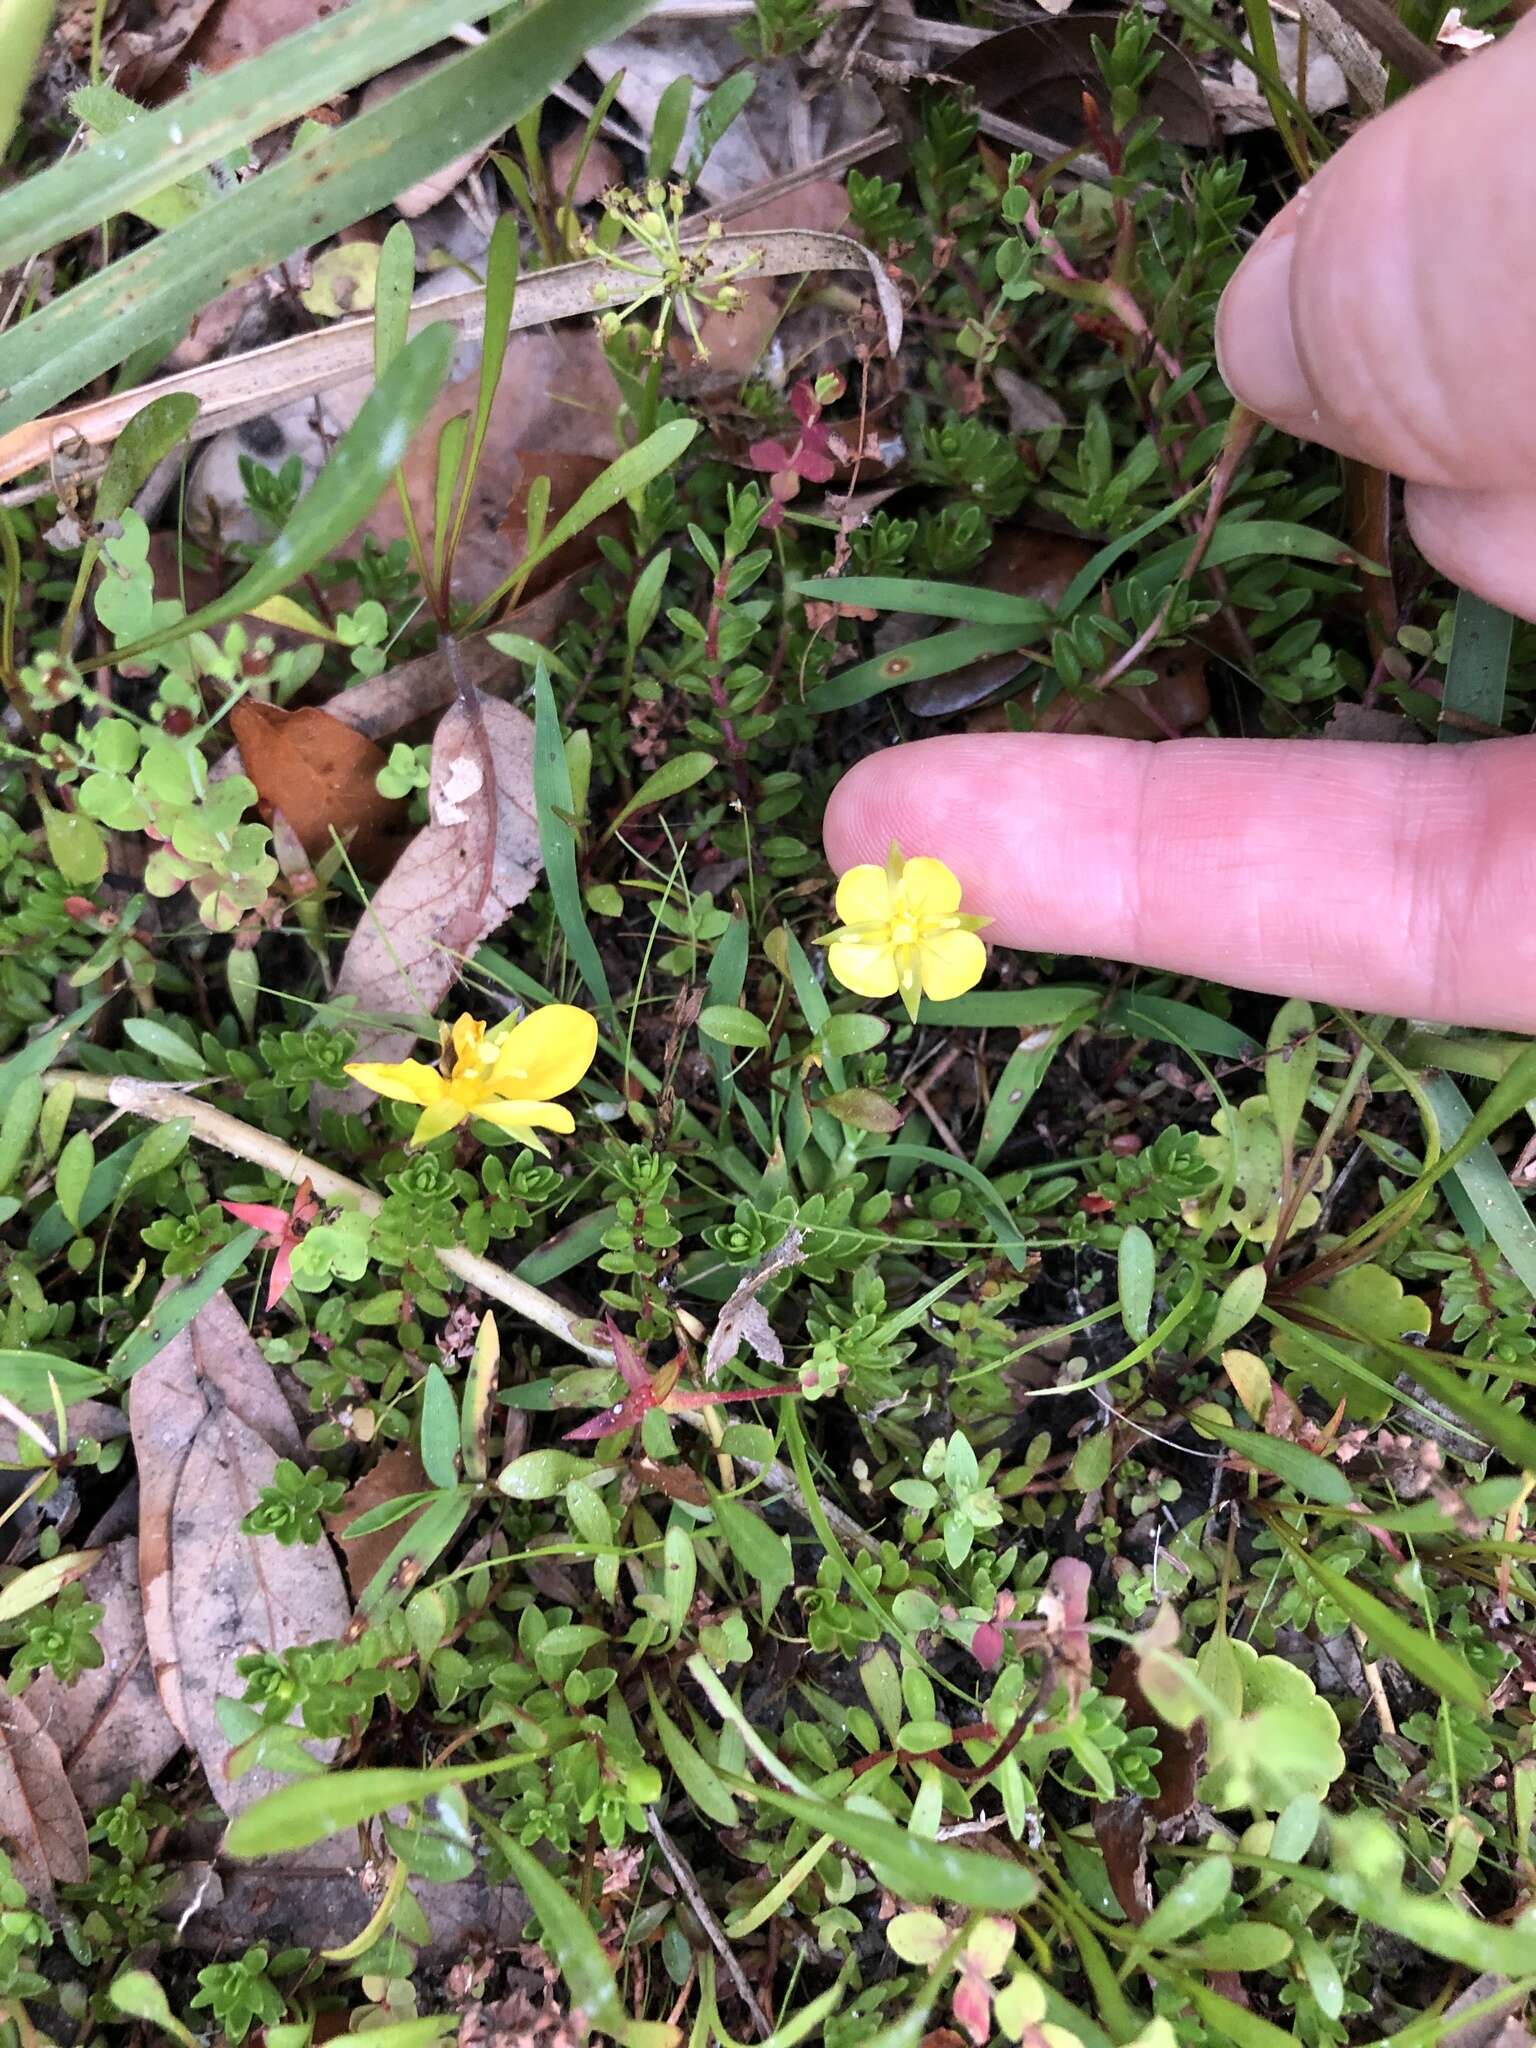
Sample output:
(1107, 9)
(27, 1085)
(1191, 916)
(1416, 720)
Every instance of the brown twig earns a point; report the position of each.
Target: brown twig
(689, 1885)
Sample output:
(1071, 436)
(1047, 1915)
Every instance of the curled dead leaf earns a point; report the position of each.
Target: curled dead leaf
(460, 877)
(744, 1320)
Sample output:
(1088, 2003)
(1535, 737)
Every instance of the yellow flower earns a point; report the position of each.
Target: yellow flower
(902, 932)
(507, 1076)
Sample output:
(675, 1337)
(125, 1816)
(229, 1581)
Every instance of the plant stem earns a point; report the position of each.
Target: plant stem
(162, 1104)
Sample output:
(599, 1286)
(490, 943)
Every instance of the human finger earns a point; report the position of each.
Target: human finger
(1483, 540)
(1380, 877)
(1389, 312)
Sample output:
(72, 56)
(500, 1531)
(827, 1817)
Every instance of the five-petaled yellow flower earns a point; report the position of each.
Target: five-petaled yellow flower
(508, 1075)
(902, 932)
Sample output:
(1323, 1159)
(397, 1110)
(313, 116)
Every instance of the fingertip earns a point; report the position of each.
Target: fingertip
(1483, 540)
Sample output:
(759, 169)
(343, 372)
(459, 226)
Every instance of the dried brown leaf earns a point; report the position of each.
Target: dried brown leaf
(444, 896)
(209, 1424)
(744, 1320)
(40, 1819)
(109, 1725)
(323, 776)
(399, 1472)
(1120, 1828)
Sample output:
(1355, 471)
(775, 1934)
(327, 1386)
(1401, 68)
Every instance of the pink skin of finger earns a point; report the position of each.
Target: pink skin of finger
(1385, 878)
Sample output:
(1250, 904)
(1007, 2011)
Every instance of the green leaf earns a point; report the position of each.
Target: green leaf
(1478, 671)
(734, 1027)
(38, 1054)
(1289, 1067)
(968, 601)
(557, 838)
(698, 1778)
(1237, 540)
(394, 282)
(669, 780)
(938, 655)
(1484, 1181)
(137, 1995)
(668, 127)
(24, 1377)
(171, 1315)
(1230, 2022)
(213, 119)
(763, 1554)
(335, 177)
(162, 1147)
(164, 1044)
(1200, 1890)
(75, 846)
(680, 1573)
(916, 1871)
(23, 31)
(1180, 1024)
(347, 488)
(143, 444)
(567, 1937)
(1137, 1269)
(309, 1809)
(1390, 1634)
(1314, 1478)
(540, 1475)
(851, 1033)
(30, 1588)
(715, 117)
(624, 477)
(23, 1107)
(500, 296)
(72, 1175)
(1239, 1304)
(439, 1429)
(1010, 1239)
(1025, 1009)
(1020, 1081)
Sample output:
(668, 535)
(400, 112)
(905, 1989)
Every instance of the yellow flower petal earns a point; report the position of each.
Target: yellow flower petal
(867, 967)
(929, 889)
(443, 1116)
(952, 962)
(403, 1081)
(864, 897)
(468, 1039)
(547, 1053)
(526, 1116)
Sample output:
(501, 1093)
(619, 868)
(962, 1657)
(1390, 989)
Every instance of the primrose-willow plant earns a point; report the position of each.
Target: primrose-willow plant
(507, 1075)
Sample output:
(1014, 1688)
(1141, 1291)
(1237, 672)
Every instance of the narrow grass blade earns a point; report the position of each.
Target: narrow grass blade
(929, 599)
(213, 118)
(557, 839)
(1485, 1184)
(337, 178)
(348, 487)
(1478, 671)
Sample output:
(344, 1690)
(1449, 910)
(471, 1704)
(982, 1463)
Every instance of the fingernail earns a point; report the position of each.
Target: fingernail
(1255, 343)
